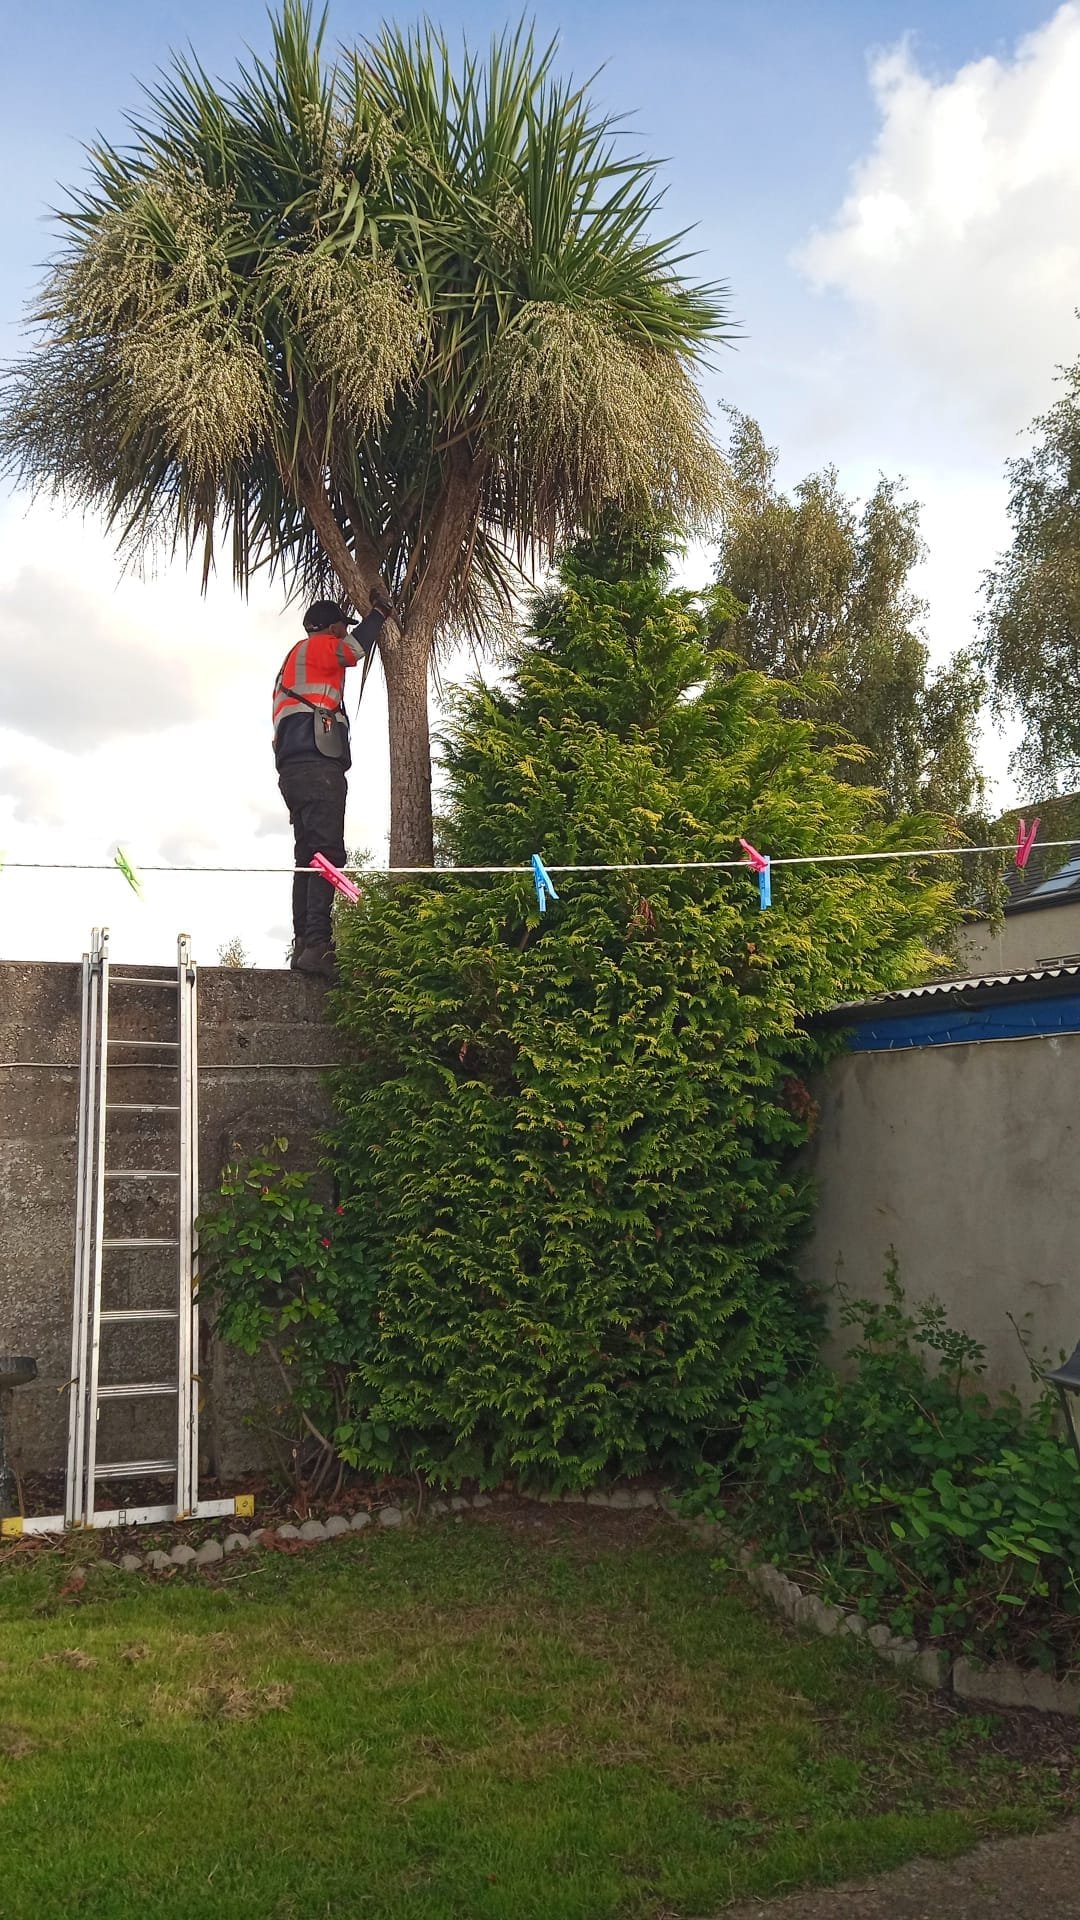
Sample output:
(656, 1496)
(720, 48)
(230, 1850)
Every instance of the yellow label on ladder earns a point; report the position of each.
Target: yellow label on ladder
(11, 1528)
(245, 1506)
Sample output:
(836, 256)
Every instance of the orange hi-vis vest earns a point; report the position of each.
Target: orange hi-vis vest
(316, 668)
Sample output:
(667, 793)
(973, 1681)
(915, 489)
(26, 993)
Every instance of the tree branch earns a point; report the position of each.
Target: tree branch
(309, 1423)
(364, 549)
(453, 525)
(358, 571)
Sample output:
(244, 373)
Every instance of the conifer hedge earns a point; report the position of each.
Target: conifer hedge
(568, 1196)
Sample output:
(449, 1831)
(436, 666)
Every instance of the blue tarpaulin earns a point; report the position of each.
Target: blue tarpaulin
(938, 1026)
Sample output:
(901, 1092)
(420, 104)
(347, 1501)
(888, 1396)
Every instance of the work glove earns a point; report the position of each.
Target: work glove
(381, 604)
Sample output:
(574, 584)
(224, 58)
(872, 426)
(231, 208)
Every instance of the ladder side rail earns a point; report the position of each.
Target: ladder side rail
(101, 1083)
(195, 1189)
(83, 1152)
(193, 1289)
(186, 1470)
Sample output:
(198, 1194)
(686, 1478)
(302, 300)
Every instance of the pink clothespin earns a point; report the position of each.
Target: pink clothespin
(762, 866)
(335, 876)
(1025, 841)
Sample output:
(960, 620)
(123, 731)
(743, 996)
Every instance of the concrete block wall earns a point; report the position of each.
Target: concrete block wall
(264, 1046)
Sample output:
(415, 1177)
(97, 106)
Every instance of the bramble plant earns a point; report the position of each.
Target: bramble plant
(902, 1488)
(565, 1157)
(287, 1283)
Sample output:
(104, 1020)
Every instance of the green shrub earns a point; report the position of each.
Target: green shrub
(904, 1489)
(286, 1278)
(566, 1154)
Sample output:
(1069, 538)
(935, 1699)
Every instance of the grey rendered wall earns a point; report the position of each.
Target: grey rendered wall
(263, 1047)
(964, 1159)
(1022, 940)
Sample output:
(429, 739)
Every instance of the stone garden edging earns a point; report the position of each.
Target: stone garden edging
(312, 1531)
(997, 1683)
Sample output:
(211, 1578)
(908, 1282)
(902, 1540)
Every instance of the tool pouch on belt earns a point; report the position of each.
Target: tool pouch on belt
(330, 729)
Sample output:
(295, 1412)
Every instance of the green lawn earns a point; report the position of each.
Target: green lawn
(506, 1719)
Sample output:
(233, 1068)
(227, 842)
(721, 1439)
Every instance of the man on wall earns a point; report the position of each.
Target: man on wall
(311, 752)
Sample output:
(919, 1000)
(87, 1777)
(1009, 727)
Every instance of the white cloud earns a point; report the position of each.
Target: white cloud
(34, 789)
(75, 674)
(959, 241)
(172, 761)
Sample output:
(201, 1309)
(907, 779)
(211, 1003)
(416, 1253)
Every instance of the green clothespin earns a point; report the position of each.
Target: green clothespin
(121, 861)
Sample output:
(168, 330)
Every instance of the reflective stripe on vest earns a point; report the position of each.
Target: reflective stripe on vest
(325, 691)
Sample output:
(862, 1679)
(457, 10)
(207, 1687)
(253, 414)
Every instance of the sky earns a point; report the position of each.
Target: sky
(891, 192)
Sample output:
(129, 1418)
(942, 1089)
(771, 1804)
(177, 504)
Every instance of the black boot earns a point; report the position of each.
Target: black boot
(318, 961)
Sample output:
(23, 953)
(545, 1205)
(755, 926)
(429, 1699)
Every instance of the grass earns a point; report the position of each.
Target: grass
(567, 1718)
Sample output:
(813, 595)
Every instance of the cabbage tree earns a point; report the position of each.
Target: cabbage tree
(387, 321)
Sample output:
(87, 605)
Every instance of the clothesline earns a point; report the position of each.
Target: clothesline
(613, 866)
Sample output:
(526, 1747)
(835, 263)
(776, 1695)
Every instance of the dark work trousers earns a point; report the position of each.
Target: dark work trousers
(313, 789)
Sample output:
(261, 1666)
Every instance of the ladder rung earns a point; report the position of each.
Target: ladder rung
(137, 980)
(117, 1042)
(113, 1244)
(140, 1173)
(130, 1469)
(136, 1389)
(115, 1315)
(141, 1106)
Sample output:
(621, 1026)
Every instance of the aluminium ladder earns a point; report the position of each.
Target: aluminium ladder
(98, 1252)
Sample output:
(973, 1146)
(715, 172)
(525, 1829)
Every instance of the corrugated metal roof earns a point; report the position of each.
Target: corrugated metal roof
(942, 988)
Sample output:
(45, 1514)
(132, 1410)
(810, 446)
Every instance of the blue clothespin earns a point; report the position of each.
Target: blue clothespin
(545, 890)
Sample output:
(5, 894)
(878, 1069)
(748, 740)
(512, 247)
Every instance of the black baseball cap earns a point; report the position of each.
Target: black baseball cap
(324, 614)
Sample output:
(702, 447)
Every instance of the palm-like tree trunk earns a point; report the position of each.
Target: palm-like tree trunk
(406, 655)
(411, 834)
(405, 659)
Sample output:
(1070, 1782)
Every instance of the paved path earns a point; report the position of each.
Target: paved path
(1030, 1878)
